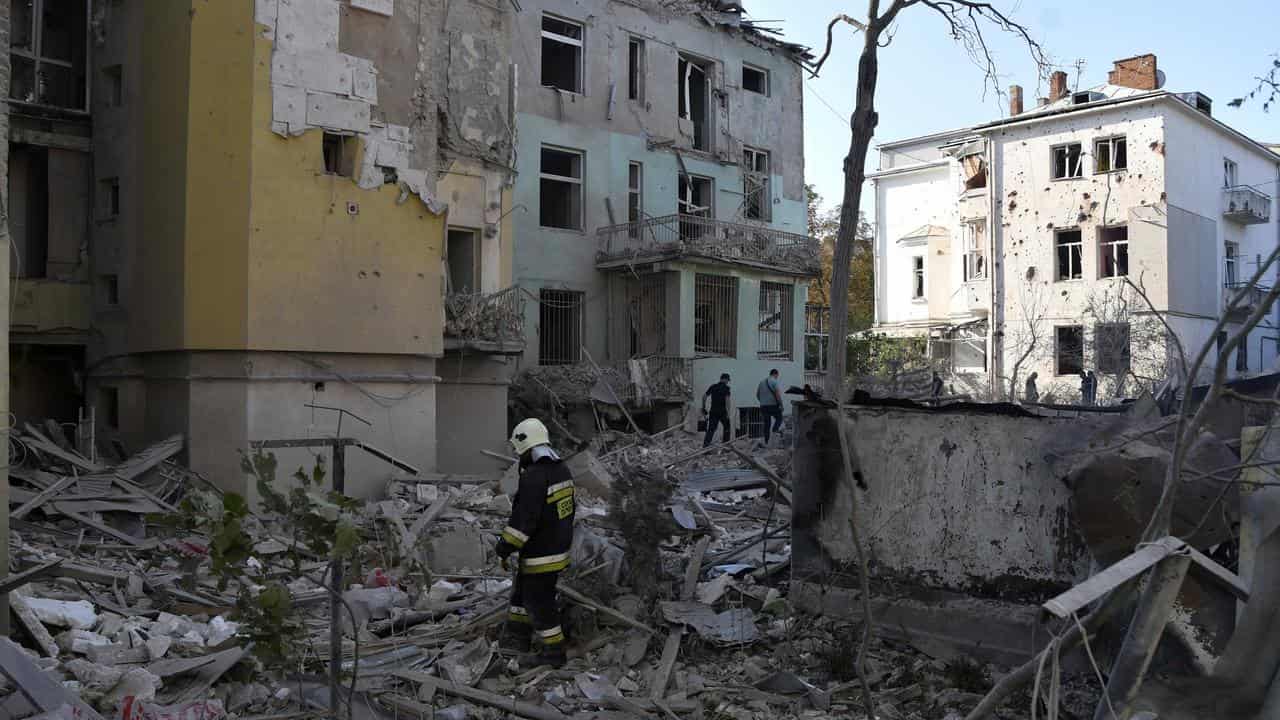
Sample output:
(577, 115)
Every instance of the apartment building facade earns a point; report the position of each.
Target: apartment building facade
(236, 217)
(1086, 233)
(661, 189)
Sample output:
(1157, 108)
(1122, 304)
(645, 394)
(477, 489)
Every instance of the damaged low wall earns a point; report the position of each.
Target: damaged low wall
(969, 500)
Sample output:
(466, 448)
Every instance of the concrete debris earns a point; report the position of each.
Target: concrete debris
(76, 614)
(731, 627)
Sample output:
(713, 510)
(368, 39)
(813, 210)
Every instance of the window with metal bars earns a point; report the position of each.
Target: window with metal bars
(715, 324)
(647, 308)
(559, 327)
(773, 334)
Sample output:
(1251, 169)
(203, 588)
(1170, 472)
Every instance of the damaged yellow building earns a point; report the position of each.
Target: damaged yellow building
(248, 214)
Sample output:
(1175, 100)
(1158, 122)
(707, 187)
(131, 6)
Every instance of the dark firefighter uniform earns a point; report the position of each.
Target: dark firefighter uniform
(541, 530)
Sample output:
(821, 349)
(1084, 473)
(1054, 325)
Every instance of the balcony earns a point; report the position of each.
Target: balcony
(488, 322)
(1255, 296)
(656, 378)
(1246, 205)
(677, 237)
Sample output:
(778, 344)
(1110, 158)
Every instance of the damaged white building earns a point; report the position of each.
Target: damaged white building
(1064, 237)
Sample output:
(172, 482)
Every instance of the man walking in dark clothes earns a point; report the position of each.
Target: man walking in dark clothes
(769, 395)
(541, 531)
(719, 394)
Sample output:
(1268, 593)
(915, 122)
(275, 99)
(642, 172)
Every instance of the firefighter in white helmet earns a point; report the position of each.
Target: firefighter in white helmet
(541, 531)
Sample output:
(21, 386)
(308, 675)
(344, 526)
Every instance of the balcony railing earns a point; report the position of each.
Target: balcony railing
(485, 318)
(1246, 205)
(1255, 296)
(661, 377)
(676, 236)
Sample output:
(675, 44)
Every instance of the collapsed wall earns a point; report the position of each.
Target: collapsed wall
(969, 500)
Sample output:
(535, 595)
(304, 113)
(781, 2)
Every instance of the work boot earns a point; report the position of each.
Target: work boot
(515, 637)
(552, 655)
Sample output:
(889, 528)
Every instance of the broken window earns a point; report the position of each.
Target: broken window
(975, 171)
(110, 285)
(635, 198)
(1230, 173)
(1110, 154)
(917, 277)
(339, 153)
(559, 327)
(1242, 356)
(113, 86)
(1068, 161)
(1113, 251)
(969, 350)
(695, 101)
(817, 319)
(1229, 275)
(1221, 340)
(1069, 349)
(755, 184)
(560, 196)
(647, 312)
(773, 335)
(561, 54)
(1111, 347)
(463, 255)
(635, 70)
(109, 198)
(715, 315)
(50, 44)
(755, 79)
(1070, 254)
(975, 250)
(695, 206)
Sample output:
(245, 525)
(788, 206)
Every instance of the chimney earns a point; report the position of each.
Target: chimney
(1057, 85)
(1015, 100)
(1138, 72)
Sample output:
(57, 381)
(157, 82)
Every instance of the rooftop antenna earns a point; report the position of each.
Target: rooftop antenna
(1079, 65)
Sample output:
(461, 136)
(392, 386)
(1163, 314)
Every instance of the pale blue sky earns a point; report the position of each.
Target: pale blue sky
(928, 84)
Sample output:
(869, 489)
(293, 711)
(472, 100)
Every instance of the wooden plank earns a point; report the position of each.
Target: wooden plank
(1073, 600)
(105, 530)
(153, 456)
(448, 479)
(671, 650)
(27, 618)
(408, 708)
(501, 702)
(42, 497)
(43, 691)
(778, 485)
(86, 573)
(130, 487)
(1228, 579)
(588, 602)
(423, 520)
(205, 677)
(17, 580)
(117, 654)
(48, 447)
(168, 667)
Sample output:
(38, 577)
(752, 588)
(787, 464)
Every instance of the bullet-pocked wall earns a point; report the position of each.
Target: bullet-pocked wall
(612, 119)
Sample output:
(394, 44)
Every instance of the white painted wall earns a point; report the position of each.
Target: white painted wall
(1169, 196)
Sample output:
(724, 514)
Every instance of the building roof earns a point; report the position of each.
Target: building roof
(927, 231)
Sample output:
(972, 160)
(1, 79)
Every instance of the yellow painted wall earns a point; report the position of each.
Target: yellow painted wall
(320, 278)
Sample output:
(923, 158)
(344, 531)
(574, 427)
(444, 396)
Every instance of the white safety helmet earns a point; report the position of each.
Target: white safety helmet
(529, 434)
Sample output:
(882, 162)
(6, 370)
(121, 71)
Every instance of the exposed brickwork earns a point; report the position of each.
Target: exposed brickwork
(1057, 85)
(1137, 72)
(1015, 100)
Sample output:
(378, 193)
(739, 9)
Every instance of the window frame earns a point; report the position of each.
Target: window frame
(1230, 263)
(36, 56)
(573, 306)
(1053, 160)
(764, 74)
(1114, 244)
(635, 194)
(580, 43)
(1230, 173)
(919, 281)
(636, 68)
(1110, 143)
(750, 157)
(1057, 258)
(718, 287)
(1058, 349)
(785, 294)
(1242, 356)
(579, 182)
(476, 258)
(975, 247)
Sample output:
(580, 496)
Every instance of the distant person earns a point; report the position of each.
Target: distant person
(769, 395)
(1084, 388)
(935, 387)
(1093, 388)
(1031, 394)
(719, 394)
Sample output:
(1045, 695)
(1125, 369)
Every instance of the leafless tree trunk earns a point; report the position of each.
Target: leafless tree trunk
(966, 21)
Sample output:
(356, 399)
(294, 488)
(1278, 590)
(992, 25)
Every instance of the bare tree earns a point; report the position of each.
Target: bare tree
(1267, 88)
(1131, 345)
(1024, 338)
(967, 21)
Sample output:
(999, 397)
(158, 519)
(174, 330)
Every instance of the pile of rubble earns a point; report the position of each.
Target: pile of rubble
(119, 614)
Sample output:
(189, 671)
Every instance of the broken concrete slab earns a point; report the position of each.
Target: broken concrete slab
(76, 614)
(456, 550)
(731, 627)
